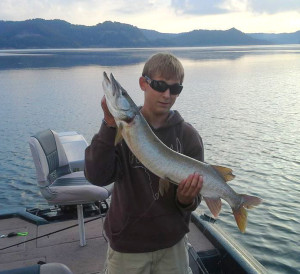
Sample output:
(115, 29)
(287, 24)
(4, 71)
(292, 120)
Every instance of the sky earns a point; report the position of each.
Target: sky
(168, 16)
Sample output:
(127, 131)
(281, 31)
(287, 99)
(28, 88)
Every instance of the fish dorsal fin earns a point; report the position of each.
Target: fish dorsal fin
(225, 172)
(119, 136)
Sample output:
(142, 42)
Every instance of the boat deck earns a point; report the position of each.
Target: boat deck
(63, 247)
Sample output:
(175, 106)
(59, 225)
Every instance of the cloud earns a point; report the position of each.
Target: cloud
(134, 6)
(198, 6)
(210, 7)
(26, 9)
(78, 11)
(163, 15)
(95, 10)
(274, 6)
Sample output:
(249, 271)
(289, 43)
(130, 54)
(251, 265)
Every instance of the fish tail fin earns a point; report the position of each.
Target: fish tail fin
(250, 201)
(240, 214)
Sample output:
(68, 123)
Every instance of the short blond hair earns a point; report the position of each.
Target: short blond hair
(164, 65)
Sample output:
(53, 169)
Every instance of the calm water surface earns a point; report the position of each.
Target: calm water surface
(244, 101)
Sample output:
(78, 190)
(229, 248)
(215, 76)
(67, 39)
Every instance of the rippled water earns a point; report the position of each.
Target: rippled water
(244, 101)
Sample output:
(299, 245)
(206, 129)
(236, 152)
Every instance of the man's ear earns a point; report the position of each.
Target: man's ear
(143, 83)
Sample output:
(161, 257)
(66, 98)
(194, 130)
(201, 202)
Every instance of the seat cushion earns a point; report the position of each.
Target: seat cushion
(73, 188)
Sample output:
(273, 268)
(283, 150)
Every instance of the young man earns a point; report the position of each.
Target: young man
(146, 231)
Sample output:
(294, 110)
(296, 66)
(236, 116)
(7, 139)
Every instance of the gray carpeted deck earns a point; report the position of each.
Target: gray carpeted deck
(63, 247)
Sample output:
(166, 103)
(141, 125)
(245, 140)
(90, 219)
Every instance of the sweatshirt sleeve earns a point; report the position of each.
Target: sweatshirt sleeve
(101, 160)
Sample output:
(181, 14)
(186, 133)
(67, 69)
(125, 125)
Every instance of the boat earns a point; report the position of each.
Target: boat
(49, 238)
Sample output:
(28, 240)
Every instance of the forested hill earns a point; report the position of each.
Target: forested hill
(40, 33)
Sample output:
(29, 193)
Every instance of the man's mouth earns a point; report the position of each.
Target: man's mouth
(164, 103)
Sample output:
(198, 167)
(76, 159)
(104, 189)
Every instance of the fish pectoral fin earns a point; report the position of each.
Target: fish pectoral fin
(164, 186)
(225, 172)
(214, 205)
(119, 136)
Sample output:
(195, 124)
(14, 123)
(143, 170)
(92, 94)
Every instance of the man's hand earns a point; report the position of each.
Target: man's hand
(107, 115)
(189, 188)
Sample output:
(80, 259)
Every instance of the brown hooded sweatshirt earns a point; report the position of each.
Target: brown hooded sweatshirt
(139, 219)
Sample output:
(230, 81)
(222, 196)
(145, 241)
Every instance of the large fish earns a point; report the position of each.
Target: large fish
(168, 164)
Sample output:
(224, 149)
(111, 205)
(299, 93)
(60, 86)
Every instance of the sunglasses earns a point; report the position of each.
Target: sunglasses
(162, 86)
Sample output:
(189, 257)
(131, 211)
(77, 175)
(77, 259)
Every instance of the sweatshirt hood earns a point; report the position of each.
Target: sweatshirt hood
(174, 118)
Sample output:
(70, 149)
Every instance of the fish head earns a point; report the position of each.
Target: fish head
(119, 103)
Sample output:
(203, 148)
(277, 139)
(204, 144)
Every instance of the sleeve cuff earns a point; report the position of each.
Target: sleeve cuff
(105, 123)
(106, 134)
(190, 207)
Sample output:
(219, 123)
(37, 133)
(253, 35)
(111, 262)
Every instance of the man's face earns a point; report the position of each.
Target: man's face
(159, 102)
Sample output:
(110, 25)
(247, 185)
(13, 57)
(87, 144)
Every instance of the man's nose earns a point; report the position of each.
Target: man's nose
(167, 93)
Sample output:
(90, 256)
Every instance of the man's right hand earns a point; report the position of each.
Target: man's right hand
(109, 119)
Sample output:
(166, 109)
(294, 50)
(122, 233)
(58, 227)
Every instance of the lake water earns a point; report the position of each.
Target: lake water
(244, 101)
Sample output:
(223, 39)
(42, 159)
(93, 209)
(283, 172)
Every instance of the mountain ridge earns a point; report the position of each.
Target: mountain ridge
(56, 33)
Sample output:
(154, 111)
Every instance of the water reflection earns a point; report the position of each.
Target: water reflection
(65, 58)
(247, 112)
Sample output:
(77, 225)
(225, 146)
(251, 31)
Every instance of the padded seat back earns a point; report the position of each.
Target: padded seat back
(49, 157)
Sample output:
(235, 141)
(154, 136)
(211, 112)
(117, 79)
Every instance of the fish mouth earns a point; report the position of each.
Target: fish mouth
(128, 120)
(119, 102)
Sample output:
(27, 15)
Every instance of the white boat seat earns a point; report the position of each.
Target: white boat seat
(73, 188)
(57, 183)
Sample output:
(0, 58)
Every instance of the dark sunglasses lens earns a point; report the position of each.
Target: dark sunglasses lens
(162, 86)
(176, 89)
(159, 86)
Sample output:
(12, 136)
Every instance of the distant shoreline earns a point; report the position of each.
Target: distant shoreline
(59, 34)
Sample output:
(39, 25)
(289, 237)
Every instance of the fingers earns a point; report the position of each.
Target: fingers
(104, 105)
(192, 184)
(107, 115)
(189, 188)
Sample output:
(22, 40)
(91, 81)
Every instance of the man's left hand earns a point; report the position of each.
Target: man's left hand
(189, 188)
